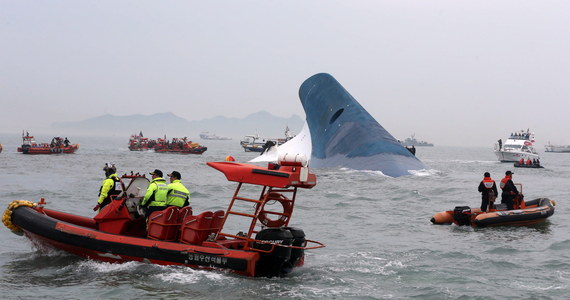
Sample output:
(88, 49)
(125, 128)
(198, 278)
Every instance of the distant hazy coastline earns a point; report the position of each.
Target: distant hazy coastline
(157, 125)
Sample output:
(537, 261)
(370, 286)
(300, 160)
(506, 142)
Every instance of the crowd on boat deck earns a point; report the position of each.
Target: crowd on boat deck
(521, 135)
(175, 143)
(159, 195)
(488, 190)
(529, 162)
(57, 142)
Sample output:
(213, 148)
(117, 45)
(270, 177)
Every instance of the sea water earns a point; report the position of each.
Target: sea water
(380, 242)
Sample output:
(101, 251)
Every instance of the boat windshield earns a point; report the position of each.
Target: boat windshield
(248, 139)
(511, 147)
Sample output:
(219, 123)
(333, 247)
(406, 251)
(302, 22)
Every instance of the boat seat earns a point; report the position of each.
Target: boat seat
(195, 229)
(184, 211)
(217, 221)
(164, 225)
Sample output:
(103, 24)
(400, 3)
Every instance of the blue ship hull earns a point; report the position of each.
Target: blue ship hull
(344, 134)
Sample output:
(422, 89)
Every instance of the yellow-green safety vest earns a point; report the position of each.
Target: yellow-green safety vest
(156, 193)
(178, 194)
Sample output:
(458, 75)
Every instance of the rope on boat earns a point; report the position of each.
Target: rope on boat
(7, 216)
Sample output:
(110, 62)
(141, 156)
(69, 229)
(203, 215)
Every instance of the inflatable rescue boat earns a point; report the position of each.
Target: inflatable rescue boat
(57, 146)
(526, 213)
(178, 145)
(261, 244)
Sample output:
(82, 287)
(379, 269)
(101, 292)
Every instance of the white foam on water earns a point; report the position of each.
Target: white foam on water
(105, 267)
(190, 275)
(424, 172)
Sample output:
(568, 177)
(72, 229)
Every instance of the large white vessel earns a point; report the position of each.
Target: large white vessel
(518, 145)
(205, 135)
(557, 148)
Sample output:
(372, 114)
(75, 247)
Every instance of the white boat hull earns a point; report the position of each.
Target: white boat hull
(558, 149)
(514, 156)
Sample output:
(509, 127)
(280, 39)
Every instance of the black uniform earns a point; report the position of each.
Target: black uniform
(509, 192)
(485, 192)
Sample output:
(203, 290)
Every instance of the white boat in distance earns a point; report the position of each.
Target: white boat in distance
(557, 148)
(518, 145)
(211, 136)
(254, 143)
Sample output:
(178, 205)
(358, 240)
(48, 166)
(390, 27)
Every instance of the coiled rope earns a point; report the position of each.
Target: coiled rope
(7, 216)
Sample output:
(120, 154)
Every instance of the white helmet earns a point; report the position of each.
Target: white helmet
(109, 166)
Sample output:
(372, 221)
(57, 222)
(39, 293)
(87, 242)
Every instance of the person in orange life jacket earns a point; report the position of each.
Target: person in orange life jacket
(528, 162)
(521, 162)
(488, 190)
(509, 190)
(111, 186)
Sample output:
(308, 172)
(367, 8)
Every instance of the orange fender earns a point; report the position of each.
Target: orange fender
(442, 218)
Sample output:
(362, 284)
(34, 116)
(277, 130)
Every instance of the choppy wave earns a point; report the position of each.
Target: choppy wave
(380, 242)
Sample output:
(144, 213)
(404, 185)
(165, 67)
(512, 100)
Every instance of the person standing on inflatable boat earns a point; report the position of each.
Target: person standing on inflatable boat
(111, 186)
(488, 190)
(509, 190)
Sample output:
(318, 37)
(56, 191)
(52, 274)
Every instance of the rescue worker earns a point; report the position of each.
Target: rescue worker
(155, 197)
(509, 190)
(111, 186)
(488, 190)
(177, 194)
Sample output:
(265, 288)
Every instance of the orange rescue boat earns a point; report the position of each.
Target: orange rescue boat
(524, 213)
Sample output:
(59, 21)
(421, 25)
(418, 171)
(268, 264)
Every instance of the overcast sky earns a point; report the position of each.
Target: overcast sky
(452, 72)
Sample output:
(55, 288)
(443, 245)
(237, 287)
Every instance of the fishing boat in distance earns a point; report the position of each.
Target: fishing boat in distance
(518, 145)
(205, 135)
(557, 148)
(252, 237)
(137, 142)
(57, 145)
(178, 145)
(412, 142)
(524, 213)
(254, 143)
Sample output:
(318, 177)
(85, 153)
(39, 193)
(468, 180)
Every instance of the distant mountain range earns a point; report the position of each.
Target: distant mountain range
(158, 125)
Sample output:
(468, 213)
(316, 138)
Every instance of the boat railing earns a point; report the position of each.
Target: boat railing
(273, 245)
(267, 194)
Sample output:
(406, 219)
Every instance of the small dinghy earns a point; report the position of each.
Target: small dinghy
(531, 166)
(525, 213)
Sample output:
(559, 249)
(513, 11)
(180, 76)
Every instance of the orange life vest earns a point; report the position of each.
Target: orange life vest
(504, 182)
(488, 182)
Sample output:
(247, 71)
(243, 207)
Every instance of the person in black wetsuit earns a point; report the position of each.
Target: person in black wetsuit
(267, 146)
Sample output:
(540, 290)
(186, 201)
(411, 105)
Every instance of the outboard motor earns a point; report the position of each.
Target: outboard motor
(272, 263)
(297, 255)
(462, 214)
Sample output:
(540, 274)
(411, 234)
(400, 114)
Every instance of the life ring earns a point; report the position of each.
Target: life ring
(283, 217)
